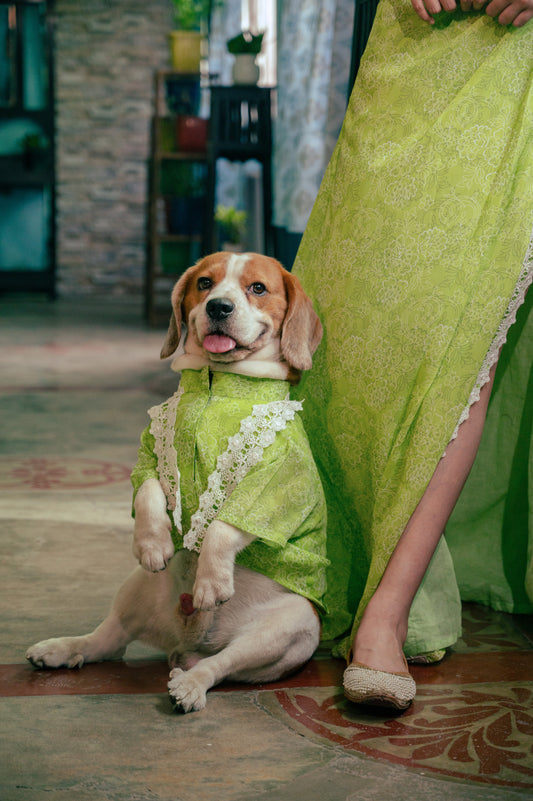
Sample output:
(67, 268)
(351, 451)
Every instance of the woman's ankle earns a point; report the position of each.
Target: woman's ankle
(379, 643)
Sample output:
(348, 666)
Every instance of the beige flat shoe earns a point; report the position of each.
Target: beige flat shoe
(365, 685)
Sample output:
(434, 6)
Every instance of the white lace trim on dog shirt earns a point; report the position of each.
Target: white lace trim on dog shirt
(244, 451)
(162, 429)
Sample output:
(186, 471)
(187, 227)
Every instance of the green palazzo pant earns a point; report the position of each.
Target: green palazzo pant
(418, 256)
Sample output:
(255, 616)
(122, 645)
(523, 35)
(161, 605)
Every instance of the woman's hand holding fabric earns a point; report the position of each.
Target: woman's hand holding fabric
(506, 12)
(510, 12)
(426, 8)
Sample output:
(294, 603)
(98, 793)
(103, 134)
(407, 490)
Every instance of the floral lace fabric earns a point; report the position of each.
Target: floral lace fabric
(162, 429)
(418, 256)
(244, 451)
(524, 282)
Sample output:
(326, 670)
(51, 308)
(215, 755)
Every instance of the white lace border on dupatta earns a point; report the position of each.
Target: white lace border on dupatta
(517, 299)
(244, 450)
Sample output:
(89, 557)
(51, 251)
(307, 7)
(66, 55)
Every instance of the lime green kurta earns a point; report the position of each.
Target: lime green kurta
(417, 244)
(280, 500)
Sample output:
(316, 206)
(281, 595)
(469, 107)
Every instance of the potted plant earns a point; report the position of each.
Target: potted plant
(184, 186)
(190, 16)
(245, 47)
(191, 133)
(232, 226)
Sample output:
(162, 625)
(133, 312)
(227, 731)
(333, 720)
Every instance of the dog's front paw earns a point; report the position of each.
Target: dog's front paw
(208, 592)
(153, 551)
(187, 692)
(55, 653)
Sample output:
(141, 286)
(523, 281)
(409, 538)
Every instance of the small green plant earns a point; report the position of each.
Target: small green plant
(189, 14)
(232, 223)
(245, 42)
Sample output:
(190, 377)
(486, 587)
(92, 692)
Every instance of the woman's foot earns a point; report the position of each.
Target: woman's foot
(378, 674)
(379, 641)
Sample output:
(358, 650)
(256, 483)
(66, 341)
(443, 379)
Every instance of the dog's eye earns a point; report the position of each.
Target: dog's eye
(258, 288)
(204, 283)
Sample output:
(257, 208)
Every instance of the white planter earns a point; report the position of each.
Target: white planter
(245, 70)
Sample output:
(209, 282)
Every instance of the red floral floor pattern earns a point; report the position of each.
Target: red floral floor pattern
(483, 733)
(485, 630)
(59, 474)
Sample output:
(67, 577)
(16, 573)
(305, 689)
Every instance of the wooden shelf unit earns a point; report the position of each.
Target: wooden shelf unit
(182, 182)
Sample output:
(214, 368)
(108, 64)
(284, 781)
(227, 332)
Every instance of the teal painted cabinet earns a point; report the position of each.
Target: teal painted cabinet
(27, 174)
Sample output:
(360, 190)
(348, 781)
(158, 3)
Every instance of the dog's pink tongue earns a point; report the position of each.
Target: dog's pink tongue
(217, 343)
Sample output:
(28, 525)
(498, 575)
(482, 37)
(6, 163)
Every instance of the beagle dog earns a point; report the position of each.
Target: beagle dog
(240, 602)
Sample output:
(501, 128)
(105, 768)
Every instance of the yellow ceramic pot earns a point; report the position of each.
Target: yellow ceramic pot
(185, 50)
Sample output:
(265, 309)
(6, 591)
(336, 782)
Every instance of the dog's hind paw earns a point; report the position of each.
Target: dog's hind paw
(187, 693)
(54, 653)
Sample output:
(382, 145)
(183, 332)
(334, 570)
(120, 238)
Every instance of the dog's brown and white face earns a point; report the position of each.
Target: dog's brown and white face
(240, 307)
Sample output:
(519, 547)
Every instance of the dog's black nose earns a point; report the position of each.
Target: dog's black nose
(219, 308)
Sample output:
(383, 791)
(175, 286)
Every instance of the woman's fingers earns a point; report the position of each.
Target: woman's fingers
(507, 12)
(511, 12)
(425, 12)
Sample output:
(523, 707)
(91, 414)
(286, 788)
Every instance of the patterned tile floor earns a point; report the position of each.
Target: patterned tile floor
(77, 380)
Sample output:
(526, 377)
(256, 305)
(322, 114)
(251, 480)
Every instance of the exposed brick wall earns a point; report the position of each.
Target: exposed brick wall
(105, 55)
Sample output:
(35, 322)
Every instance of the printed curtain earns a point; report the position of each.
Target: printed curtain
(314, 53)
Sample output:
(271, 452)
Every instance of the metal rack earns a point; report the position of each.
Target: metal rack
(239, 129)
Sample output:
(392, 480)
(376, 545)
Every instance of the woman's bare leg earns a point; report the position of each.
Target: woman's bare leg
(383, 628)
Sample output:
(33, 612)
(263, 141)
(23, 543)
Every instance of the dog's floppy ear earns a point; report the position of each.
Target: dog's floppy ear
(174, 329)
(302, 330)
